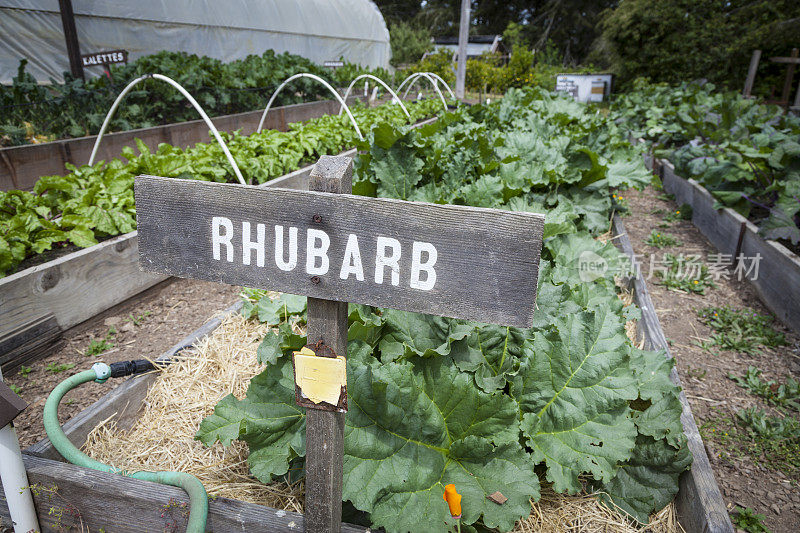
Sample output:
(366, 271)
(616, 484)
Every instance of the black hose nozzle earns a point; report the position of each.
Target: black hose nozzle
(129, 368)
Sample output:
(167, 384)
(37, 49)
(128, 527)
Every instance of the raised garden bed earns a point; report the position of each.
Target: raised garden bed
(42, 301)
(22, 166)
(778, 281)
(699, 503)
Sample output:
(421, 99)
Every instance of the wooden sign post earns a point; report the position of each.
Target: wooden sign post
(458, 261)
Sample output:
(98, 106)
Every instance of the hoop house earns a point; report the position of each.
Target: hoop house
(321, 30)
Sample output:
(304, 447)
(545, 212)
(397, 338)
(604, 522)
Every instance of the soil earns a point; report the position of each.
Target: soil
(704, 374)
(145, 327)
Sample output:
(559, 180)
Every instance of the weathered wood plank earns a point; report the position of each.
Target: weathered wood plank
(115, 503)
(327, 323)
(29, 341)
(24, 165)
(74, 287)
(124, 402)
(778, 281)
(482, 264)
(751, 73)
(699, 502)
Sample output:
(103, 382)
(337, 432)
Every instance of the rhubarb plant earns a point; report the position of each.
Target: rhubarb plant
(436, 401)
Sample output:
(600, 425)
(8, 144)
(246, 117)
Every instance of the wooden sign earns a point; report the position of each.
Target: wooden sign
(449, 260)
(105, 58)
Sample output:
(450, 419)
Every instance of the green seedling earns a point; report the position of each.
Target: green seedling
(684, 212)
(661, 240)
(138, 319)
(97, 347)
(772, 441)
(666, 197)
(696, 373)
(782, 395)
(16, 388)
(748, 520)
(57, 368)
(685, 273)
(24, 370)
(740, 330)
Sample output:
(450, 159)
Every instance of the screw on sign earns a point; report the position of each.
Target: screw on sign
(457, 261)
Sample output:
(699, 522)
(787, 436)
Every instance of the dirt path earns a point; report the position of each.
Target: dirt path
(745, 474)
(146, 326)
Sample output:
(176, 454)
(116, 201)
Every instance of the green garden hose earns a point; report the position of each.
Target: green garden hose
(100, 372)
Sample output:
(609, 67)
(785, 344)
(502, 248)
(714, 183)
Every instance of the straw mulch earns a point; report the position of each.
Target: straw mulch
(184, 393)
(187, 390)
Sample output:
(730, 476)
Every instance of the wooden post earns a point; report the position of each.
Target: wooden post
(71, 36)
(327, 322)
(787, 84)
(751, 73)
(463, 38)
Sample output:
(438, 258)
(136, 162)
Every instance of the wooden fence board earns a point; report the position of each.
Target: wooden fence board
(778, 281)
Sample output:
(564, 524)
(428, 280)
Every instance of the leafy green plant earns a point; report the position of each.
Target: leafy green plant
(482, 406)
(97, 347)
(683, 212)
(785, 394)
(94, 203)
(620, 204)
(769, 440)
(748, 520)
(16, 388)
(744, 152)
(741, 330)
(696, 373)
(137, 320)
(660, 240)
(685, 273)
(34, 112)
(25, 370)
(57, 368)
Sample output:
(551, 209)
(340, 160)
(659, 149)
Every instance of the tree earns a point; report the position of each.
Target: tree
(409, 42)
(682, 40)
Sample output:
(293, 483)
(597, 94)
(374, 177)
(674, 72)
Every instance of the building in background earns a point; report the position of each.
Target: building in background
(476, 45)
(321, 30)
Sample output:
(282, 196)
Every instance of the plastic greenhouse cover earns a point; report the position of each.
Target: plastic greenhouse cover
(321, 30)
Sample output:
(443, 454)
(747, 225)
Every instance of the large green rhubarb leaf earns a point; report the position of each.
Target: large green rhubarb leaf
(408, 334)
(413, 429)
(649, 480)
(268, 419)
(573, 394)
(492, 353)
(410, 430)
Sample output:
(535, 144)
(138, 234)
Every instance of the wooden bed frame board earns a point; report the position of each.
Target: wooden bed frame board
(699, 502)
